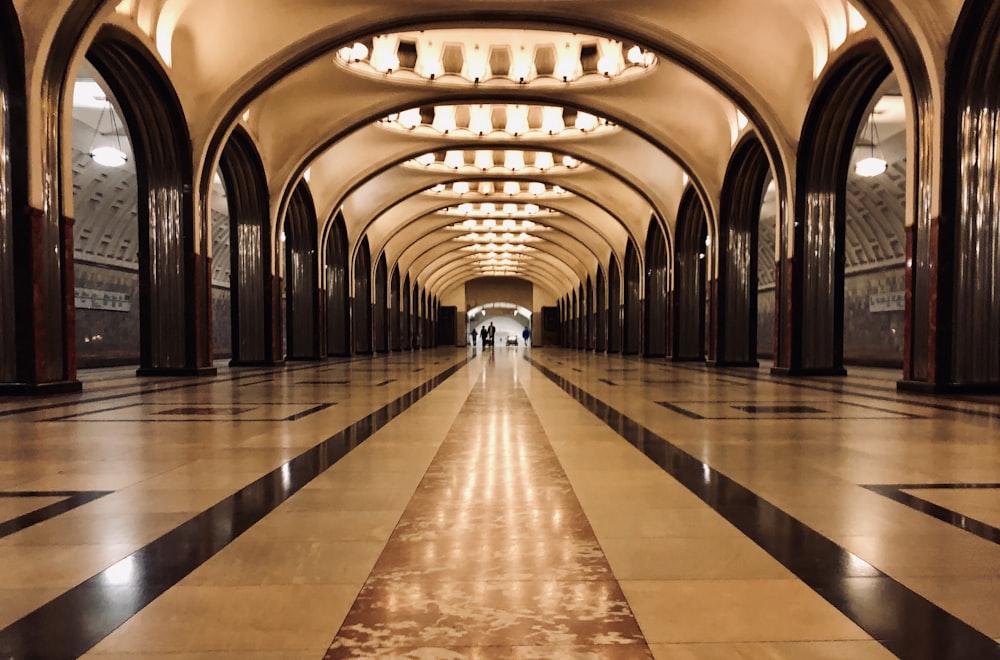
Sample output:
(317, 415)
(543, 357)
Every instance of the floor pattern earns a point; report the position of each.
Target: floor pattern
(494, 556)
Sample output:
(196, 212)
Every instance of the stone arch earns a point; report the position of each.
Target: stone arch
(657, 285)
(13, 183)
(690, 271)
(735, 298)
(810, 295)
(601, 311)
(174, 275)
(362, 327)
(254, 315)
(338, 298)
(301, 276)
(632, 302)
(966, 349)
(381, 308)
(397, 329)
(614, 306)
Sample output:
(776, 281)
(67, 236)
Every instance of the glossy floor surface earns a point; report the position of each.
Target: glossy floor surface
(509, 504)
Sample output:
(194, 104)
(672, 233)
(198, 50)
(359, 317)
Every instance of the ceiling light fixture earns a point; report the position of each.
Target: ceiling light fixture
(873, 165)
(108, 156)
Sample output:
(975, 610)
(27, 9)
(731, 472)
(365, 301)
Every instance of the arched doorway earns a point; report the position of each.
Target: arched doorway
(657, 285)
(174, 282)
(362, 330)
(601, 313)
(396, 315)
(13, 186)
(590, 336)
(963, 347)
(738, 243)
(381, 310)
(632, 309)
(690, 272)
(810, 293)
(407, 321)
(302, 276)
(254, 340)
(338, 299)
(615, 312)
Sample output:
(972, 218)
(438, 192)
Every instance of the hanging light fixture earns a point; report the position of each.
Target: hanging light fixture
(873, 165)
(108, 156)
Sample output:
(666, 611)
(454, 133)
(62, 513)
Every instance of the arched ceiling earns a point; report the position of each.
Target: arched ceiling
(710, 76)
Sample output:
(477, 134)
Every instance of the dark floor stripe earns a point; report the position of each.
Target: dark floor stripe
(841, 390)
(72, 501)
(154, 389)
(77, 620)
(904, 622)
(944, 514)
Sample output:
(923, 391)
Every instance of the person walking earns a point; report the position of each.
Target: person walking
(473, 333)
(492, 334)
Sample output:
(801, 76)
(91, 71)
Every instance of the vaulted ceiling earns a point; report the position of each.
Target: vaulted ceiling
(504, 138)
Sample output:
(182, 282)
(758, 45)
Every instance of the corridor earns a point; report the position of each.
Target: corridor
(510, 503)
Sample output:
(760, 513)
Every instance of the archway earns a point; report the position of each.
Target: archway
(338, 299)
(690, 269)
(601, 313)
(381, 309)
(407, 320)
(615, 312)
(590, 337)
(632, 310)
(362, 330)
(738, 243)
(657, 285)
(302, 276)
(963, 348)
(174, 283)
(810, 293)
(13, 186)
(396, 316)
(254, 339)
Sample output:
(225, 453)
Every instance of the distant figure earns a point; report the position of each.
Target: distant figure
(473, 333)
(492, 333)
(484, 335)
(526, 335)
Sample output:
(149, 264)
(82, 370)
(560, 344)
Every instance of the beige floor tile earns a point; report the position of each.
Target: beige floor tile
(618, 520)
(735, 611)
(686, 558)
(331, 525)
(58, 566)
(235, 619)
(267, 561)
(949, 553)
(773, 651)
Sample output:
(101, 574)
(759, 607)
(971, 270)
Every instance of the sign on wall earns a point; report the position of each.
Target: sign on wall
(112, 301)
(890, 301)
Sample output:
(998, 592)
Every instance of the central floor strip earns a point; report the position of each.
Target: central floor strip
(493, 556)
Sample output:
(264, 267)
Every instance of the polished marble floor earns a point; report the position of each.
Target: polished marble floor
(509, 504)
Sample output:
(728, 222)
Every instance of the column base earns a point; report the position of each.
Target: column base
(922, 387)
(748, 364)
(808, 371)
(41, 389)
(256, 363)
(176, 371)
